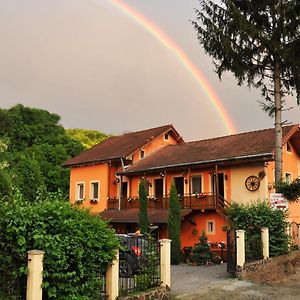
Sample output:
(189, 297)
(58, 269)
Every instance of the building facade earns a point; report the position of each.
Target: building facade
(208, 174)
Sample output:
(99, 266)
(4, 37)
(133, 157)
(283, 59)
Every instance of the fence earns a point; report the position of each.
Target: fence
(139, 265)
(153, 270)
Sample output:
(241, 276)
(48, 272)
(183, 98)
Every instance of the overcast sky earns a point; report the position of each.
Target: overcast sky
(98, 69)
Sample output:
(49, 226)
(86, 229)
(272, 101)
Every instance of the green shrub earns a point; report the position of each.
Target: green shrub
(201, 253)
(77, 245)
(252, 218)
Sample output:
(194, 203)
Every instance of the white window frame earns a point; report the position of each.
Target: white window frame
(285, 176)
(196, 175)
(288, 144)
(140, 153)
(168, 134)
(92, 189)
(213, 231)
(77, 191)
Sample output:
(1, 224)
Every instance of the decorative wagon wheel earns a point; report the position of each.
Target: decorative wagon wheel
(252, 183)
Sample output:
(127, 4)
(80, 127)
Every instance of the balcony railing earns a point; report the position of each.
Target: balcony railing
(202, 201)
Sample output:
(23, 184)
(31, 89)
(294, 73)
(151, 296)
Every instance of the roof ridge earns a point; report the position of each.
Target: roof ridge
(237, 134)
(144, 130)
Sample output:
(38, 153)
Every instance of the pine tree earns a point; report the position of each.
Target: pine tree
(201, 252)
(259, 42)
(174, 225)
(143, 214)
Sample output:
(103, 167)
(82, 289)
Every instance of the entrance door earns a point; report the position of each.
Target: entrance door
(124, 189)
(158, 187)
(179, 186)
(221, 186)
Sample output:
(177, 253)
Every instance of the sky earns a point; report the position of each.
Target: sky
(99, 68)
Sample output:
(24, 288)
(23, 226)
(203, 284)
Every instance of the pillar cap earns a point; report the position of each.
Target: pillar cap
(35, 252)
(165, 241)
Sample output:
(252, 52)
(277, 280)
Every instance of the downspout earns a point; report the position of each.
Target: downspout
(216, 185)
(120, 183)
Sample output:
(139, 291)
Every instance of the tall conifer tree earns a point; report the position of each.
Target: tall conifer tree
(143, 214)
(259, 42)
(174, 225)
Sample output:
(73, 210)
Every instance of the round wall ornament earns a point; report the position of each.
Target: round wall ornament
(252, 183)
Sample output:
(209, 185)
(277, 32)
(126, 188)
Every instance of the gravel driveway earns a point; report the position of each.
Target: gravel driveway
(213, 283)
(186, 278)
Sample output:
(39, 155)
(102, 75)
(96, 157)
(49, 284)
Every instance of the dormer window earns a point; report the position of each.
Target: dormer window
(166, 137)
(288, 147)
(142, 154)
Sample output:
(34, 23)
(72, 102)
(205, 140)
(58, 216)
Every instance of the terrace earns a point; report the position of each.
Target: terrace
(202, 201)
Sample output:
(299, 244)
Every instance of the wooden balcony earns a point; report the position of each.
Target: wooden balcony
(203, 201)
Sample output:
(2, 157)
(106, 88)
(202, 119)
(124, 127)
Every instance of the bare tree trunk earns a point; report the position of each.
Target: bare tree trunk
(278, 125)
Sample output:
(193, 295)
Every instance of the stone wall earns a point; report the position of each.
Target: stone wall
(155, 294)
(270, 269)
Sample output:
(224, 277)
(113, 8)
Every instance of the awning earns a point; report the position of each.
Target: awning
(155, 216)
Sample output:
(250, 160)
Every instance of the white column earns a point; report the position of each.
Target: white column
(112, 278)
(240, 248)
(35, 275)
(165, 262)
(265, 242)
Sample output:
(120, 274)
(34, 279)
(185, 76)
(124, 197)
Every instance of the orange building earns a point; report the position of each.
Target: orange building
(208, 174)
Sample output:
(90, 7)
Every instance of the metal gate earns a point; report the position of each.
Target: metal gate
(231, 251)
(294, 232)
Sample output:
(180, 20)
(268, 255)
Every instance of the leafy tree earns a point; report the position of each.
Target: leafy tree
(201, 253)
(174, 225)
(38, 143)
(77, 246)
(86, 137)
(5, 183)
(259, 42)
(143, 203)
(252, 218)
(27, 175)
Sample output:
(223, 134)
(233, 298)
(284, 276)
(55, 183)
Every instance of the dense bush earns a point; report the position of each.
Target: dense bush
(252, 218)
(77, 245)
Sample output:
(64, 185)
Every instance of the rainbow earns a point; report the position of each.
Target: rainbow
(167, 42)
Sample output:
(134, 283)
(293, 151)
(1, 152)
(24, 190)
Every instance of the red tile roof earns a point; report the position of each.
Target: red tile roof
(119, 146)
(156, 216)
(251, 145)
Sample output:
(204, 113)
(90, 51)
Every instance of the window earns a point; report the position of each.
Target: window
(288, 177)
(211, 227)
(142, 154)
(196, 184)
(166, 136)
(288, 147)
(79, 191)
(95, 190)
